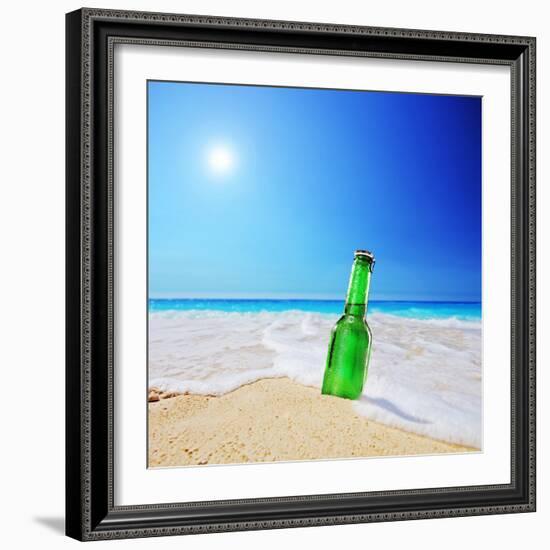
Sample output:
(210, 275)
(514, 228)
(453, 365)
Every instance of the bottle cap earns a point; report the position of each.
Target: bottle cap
(366, 254)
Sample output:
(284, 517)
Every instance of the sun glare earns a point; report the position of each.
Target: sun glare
(220, 160)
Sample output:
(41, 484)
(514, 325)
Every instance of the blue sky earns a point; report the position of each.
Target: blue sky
(266, 192)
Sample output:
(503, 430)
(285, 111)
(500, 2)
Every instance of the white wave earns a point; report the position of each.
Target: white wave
(424, 376)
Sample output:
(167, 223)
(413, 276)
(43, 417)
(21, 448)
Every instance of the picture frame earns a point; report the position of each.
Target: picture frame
(91, 327)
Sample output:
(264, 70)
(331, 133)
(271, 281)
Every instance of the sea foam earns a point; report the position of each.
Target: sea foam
(424, 375)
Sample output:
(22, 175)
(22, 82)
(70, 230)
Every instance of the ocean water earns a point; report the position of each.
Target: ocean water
(414, 310)
(425, 373)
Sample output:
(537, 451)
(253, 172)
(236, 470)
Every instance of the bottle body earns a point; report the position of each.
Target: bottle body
(351, 339)
(348, 357)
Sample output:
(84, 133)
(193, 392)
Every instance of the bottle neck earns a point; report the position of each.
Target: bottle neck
(358, 289)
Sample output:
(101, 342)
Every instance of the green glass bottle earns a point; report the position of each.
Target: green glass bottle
(350, 340)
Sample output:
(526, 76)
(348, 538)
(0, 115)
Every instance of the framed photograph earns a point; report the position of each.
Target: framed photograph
(300, 274)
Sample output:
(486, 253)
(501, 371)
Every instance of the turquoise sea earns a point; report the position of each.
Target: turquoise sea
(465, 311)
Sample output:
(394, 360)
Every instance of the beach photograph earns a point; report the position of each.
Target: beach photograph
(314, 274)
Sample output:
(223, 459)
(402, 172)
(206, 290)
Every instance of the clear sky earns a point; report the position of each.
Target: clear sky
(266, 192)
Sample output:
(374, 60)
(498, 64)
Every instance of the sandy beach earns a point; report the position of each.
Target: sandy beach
(273, 419)
(424, 376)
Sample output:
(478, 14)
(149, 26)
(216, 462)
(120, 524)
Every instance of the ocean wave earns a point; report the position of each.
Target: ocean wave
(447, 322)
(450, 321)
(424, 376)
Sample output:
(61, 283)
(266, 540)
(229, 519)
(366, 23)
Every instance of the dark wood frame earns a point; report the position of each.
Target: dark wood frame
(90, 510)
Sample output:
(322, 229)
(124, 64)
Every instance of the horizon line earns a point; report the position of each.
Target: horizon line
(309, 299)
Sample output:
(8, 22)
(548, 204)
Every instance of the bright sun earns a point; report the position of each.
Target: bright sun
(220, 160)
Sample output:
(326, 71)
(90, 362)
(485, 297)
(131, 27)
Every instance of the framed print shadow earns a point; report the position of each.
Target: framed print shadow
(300, 274)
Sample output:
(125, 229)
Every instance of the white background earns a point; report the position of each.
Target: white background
(137, 485)
(32, 233)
